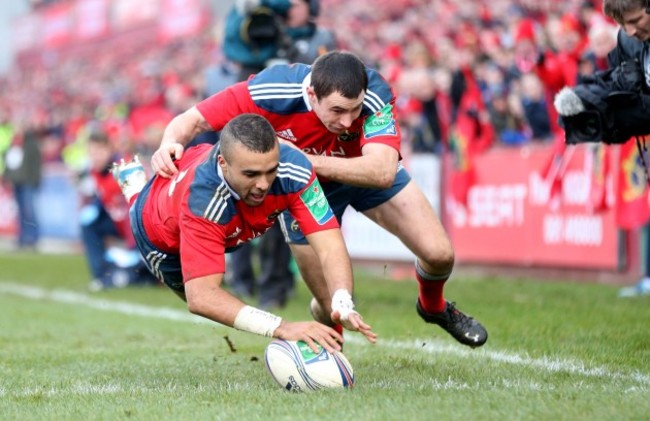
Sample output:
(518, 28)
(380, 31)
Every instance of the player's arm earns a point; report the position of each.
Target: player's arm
(375, 168)
(377, 165)
(178, 133)
(210, 114)
(206, 298)
(337, 270)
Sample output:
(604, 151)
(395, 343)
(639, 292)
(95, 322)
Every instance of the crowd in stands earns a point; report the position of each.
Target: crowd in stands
(510, 56)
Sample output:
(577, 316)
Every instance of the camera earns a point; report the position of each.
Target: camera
(584, 127)
(608, 107)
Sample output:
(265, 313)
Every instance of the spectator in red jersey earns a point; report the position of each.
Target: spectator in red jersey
(104, 218)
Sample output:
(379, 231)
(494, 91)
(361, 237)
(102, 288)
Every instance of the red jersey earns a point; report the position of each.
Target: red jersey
(198, 216)
(279, 94)
(111, 197)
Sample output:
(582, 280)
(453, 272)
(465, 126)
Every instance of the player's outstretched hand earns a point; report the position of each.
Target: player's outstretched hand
(311, 333)
(162, 161)
(353, 321)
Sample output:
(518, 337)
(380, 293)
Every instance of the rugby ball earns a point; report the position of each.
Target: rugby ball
(296, 368)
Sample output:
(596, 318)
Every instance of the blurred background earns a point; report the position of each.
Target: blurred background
(474, 81)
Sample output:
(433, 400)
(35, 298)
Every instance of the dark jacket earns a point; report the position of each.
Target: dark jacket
(27, 171)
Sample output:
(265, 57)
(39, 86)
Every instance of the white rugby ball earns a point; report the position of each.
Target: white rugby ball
(297, 368)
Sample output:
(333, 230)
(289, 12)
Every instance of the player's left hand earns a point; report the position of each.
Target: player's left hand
(354, 322)
(343, 312)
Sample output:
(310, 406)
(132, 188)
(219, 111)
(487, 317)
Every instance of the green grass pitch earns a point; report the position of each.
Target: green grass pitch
(557, 350)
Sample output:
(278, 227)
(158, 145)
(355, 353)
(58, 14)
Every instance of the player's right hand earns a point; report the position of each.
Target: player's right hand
(162, 161)
(311, 333)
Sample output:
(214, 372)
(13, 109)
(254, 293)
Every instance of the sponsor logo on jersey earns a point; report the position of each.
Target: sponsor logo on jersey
(234, 234)
(321, 152)
(286, 134)
(273, 215)
(314, 199)
(381, 123)
(348, 136)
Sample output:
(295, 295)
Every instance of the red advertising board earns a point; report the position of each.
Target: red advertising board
(511, 217)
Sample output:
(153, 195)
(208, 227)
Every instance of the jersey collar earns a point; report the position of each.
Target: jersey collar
(305, 84)
(220, 173)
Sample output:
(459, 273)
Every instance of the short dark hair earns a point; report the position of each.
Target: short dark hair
(251, 130)
(615, 9)
(341, 72)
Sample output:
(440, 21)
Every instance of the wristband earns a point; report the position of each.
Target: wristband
(342, 302)
(254, 320)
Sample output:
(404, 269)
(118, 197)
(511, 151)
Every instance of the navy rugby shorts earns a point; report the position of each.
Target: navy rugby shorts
(340, 196)
(164, 266)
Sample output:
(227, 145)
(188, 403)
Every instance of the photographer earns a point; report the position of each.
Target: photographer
(614, 106)
(259, 33)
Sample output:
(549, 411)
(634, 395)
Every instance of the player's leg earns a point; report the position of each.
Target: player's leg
(409, 216)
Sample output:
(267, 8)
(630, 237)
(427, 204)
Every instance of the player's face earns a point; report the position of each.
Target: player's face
(250, 174)
(335, 111)
(636, 23)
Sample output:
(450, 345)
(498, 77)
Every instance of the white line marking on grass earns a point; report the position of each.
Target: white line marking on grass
(553, 365)
(432, 347)
(71, 297)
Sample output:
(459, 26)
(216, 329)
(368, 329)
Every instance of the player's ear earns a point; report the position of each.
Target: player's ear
(221, 161)
(311, 94)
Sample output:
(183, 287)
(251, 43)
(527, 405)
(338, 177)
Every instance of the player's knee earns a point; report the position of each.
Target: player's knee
(321, 312)
(439, 259)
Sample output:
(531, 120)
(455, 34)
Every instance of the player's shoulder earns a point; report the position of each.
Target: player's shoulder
(209, 196)
(280, 89)
(378, 94)
(294, 171)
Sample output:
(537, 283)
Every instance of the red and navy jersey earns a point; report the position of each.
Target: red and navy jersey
(279, 94)
(198, 216)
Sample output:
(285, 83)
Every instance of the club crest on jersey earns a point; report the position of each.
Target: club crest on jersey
(381, 123)
(314, 199)
(348, 136)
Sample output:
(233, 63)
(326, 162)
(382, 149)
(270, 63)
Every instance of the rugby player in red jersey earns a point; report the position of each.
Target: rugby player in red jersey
(223, 196)
(341, 114)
